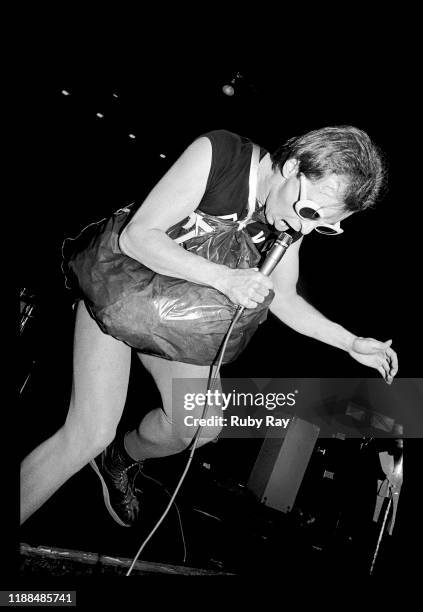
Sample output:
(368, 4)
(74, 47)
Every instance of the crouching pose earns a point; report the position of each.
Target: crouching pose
(169, 266)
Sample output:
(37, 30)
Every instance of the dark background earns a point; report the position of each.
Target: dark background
(81, 167)
(78, 168)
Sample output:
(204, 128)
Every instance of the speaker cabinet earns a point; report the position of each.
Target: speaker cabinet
(281, 463)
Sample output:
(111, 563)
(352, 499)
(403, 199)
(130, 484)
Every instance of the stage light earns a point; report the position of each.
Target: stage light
(65, 92)
(229, 88)
(162, 155)
(100, 115)
(132, 136)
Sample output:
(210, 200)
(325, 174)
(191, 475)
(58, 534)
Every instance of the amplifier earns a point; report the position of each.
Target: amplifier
(281, 463)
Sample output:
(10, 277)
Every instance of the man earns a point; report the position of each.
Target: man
(312, 183)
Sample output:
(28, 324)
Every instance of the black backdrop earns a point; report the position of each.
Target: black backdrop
(77, 167)
(80, 167)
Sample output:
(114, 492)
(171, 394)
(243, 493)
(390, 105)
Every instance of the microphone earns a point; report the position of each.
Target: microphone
(273, 257)
(276, 253)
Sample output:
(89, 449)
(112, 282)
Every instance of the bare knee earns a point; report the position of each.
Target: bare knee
(176, 434)
(202, 440)
(207, 434)
(186, 427)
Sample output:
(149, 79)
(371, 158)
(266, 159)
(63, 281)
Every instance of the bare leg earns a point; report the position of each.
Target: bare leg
(162, 431)
(100, 382)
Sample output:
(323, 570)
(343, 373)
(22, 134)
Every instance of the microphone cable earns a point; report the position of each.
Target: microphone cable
(273, 257)
(193, 444)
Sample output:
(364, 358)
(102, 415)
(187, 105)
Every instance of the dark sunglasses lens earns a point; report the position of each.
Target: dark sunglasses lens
(308, 213)
(326, 230)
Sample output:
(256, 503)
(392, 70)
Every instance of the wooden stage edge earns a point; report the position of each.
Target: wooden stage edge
(62, 562)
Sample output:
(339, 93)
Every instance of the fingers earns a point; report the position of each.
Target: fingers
(385, 374)
(247, 287)
(249, 303)
(386, 368)
(264, 281)
(382, 372)
(378, 355)
(389, 365)
(389, 378)
(257, 289)
(255, 296)
(391, 354)
(256, 280)
(261, 291)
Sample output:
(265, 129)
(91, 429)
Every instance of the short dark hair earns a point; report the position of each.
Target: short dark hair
(342, 150)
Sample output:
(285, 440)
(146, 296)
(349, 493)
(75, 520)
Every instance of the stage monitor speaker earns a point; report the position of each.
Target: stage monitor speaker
(281, 463)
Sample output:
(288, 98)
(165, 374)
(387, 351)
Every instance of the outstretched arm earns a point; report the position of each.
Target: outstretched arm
(294, 311)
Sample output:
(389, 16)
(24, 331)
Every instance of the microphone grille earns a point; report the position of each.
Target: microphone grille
(285, 239)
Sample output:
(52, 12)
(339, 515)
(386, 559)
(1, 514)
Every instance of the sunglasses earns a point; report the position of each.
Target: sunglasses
(309, 211)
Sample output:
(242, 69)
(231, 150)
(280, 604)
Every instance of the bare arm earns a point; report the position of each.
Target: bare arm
(293, 310)
(174, 197)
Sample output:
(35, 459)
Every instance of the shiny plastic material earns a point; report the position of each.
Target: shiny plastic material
(156, 314)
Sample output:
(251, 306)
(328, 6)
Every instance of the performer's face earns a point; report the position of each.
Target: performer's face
(282, 208)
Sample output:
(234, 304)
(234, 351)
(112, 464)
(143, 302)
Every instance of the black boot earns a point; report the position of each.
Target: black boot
(117, 472)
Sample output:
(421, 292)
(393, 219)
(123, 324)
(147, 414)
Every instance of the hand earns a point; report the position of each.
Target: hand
(375, 354)
(245, 287)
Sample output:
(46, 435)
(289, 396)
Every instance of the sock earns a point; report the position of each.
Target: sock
(124, 453)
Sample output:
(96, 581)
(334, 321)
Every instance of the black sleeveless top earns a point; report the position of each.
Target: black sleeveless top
(227, 186)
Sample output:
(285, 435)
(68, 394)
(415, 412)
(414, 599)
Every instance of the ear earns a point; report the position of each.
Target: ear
(290, 167)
